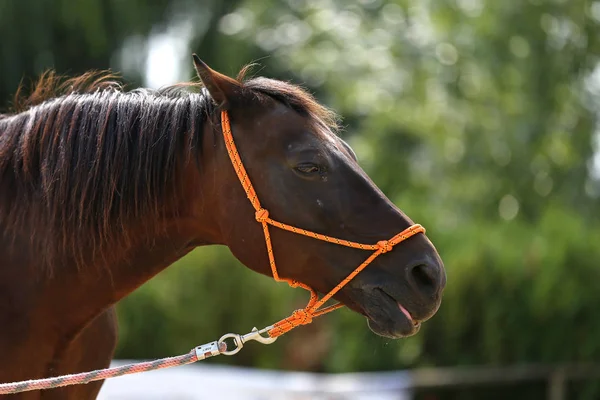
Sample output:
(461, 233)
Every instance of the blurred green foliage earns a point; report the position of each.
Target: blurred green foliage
(477, 118)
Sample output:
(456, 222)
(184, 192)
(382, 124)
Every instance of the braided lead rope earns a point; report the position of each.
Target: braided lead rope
(312, 309)
(196, 354)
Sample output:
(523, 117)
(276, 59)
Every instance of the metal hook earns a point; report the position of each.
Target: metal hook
(239, 340)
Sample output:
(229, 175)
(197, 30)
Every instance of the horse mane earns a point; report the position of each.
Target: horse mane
(81, 158)
(50, 85)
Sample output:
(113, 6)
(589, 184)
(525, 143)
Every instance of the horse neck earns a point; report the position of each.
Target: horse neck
(82, 289)
(74, 294)
(189, 222)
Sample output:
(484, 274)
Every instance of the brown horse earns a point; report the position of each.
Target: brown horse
(101, 189)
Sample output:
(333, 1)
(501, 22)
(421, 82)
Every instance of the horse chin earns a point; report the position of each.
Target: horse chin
(385, 317)
(392, 330)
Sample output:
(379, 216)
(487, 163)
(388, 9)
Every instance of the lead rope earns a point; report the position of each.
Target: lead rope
(299, 317)
(197, 354)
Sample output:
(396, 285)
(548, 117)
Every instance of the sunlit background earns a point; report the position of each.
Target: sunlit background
(479, 119)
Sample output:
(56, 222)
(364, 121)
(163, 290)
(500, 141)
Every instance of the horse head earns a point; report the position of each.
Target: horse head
(306, 176)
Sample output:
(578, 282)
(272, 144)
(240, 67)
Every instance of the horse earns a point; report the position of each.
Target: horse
(101, 188)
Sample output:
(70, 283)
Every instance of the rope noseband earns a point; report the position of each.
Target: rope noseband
(313, 308)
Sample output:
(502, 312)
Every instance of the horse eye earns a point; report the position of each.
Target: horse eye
(308, 169)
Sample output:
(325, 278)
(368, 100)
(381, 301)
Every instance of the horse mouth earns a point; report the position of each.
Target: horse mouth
(386, 316)
(407, 315)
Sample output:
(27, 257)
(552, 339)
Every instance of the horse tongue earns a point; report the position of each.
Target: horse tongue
(406, 313)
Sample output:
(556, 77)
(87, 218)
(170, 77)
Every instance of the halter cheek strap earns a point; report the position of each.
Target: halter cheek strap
(313, 308)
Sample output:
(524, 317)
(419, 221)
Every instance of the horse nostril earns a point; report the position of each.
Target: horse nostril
(426, 277)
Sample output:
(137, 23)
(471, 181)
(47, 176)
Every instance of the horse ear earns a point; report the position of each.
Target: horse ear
(222, 88)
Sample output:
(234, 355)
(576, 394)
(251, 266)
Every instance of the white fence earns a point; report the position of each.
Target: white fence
(200, 382)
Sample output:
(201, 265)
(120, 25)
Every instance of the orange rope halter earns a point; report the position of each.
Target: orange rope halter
(303, 316)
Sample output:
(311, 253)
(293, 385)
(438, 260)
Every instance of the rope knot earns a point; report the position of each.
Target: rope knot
(261, 215)
(384, 246)
(302, 317)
